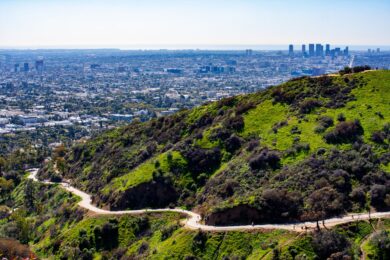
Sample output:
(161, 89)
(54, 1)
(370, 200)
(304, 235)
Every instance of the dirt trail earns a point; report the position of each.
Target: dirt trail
(194, 220)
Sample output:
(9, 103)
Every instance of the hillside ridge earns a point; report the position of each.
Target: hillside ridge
(276, 155)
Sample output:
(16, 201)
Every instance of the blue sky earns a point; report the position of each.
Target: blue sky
(113, 23)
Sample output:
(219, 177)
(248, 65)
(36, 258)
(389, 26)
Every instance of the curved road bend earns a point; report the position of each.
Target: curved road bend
(193, 220)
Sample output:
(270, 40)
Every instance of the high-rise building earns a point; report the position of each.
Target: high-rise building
(346, 51)
(327, 49)
(39, 65)
(303, 49)
(26, 67)
(378, 50)
(291, 49)
(16, 67)
(248, 52)
(311, 49)
(319, 50)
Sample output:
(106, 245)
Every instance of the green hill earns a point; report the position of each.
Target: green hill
(304, 150)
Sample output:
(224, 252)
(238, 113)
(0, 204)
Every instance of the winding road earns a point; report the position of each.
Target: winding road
(194, 220)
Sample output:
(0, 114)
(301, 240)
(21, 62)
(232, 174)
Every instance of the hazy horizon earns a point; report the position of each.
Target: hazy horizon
(98, 23)
(221, 47)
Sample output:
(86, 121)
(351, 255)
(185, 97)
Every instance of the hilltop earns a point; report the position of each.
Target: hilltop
(307, 149)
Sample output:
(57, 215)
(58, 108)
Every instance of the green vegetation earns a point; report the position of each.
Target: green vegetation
(308, 149)
(274, 154)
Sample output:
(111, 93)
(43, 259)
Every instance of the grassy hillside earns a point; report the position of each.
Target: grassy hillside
(277, 155)
(48, 220)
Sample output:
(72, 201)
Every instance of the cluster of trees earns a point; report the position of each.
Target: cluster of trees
(103, 239)
(349, 70)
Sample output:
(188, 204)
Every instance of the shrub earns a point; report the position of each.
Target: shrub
(199, 241)
(167, 232)
(220, 134)
(264, 160)
(253, 144)
(243, 107)
(345, 132)
(280, 204)
(202, 160)
(319, 129)
(308, 105)
(378, 137)
(232, 144)
(358, 195)
(326, 243)
(378, 195)
(110, 234)
(279, 125)
(381, 244)
(325, 202)
(295, 130)
(348, 70)
(341, 117)
(325, 121)
(227, 102)
(235, 123)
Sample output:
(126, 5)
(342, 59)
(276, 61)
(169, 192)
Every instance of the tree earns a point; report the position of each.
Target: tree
(29, 195)
(325, 202)
(2, 164)
(6, 187)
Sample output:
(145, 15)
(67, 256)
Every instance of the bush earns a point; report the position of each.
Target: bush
(325, 121)
(279, 125)
(341, 117)
(378, 195)
(235, 123)
(202, 160)
(378, 137)
(167, 232)
(280, 204)
(381, 244)
(326, 243)
(348, 70)
(345, 132)
(264, 160)
(232, 144)
(325, 202)
(295, 130)
(308, 105)
(253, 144)
(243, 107)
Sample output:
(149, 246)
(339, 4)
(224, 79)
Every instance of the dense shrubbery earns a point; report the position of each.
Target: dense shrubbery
(381, 244)
(235, 123)
(264, 159)
(306, 94)
(344, 132)
(308, 105)
(202, 160)
(330, 244)
(243, 107)
(222, 162)
(348, 70)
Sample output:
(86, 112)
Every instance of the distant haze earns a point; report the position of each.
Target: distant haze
(190, 24)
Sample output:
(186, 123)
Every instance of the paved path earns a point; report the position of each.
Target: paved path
(194, 220)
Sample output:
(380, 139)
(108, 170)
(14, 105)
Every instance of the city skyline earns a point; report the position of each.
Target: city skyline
(189, 24)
